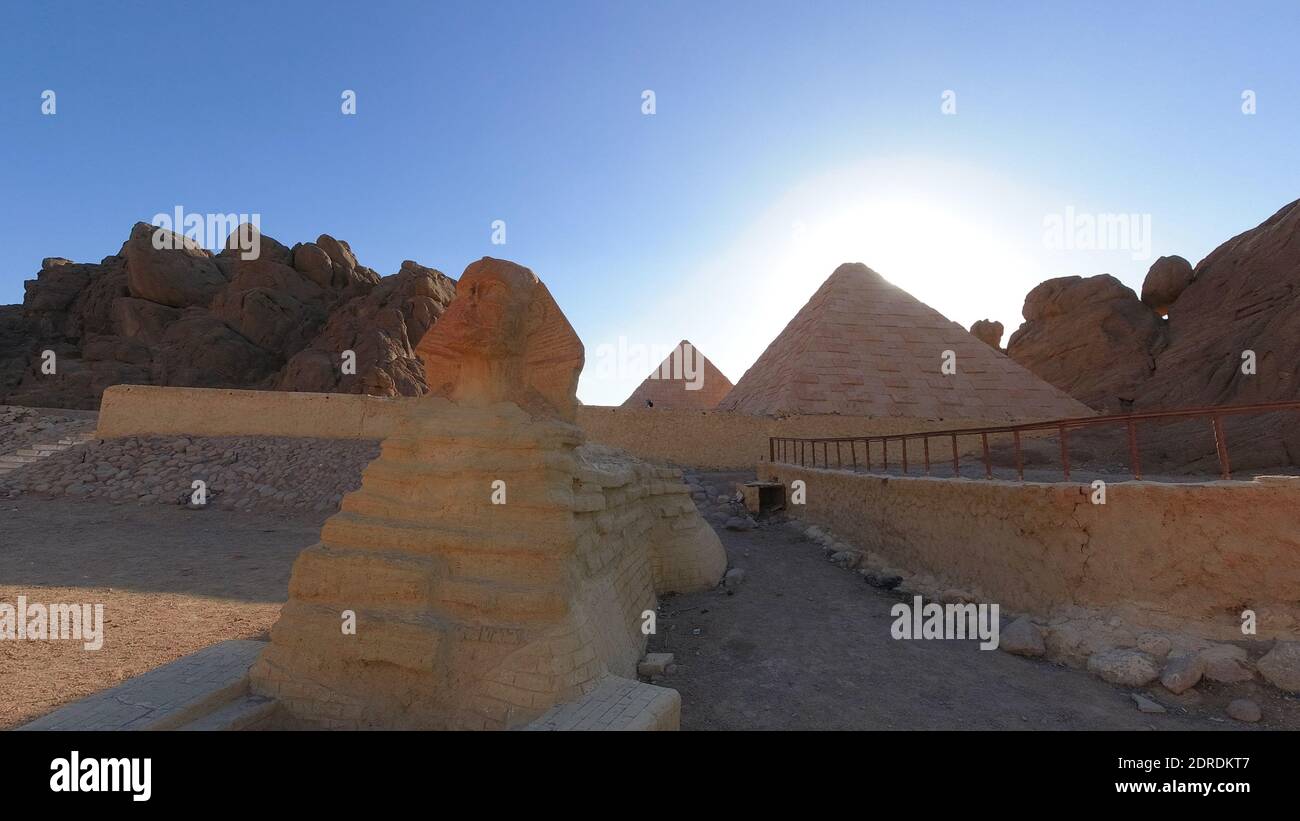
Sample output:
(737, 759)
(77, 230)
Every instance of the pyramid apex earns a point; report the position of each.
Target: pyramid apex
(852, 269)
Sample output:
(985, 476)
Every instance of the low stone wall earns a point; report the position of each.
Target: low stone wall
(708, 440)
(150, 410)
(1162, 553)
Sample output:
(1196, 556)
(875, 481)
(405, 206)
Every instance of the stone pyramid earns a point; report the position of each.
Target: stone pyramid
(686, 379)
(865, 347)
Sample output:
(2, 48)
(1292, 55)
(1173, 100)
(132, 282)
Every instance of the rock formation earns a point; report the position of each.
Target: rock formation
(1089, 336)
(1166, 280)
(496, 566)
(686, 379)
(1095, 340)
(988, 332)
(180, 315)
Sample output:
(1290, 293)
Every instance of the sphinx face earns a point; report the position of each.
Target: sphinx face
(488, 318)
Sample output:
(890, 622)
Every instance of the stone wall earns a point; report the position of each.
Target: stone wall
(149, 410)
(1166, 553)
(710, 440)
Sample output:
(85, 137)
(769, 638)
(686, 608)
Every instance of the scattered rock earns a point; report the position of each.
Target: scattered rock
(1022, 638)
(1243, 709)
(849, 559)
(739, 523)
(734, 577)
(1182, 672)
(1281, 666)
(1130, 668)
(1155, 644)
(956, 596)
(885, 581)
(1147, 705)
(1226, 664)
(656, 664)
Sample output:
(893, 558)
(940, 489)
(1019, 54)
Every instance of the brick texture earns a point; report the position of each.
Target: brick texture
(864, 347)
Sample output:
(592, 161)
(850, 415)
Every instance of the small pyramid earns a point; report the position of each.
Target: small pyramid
(865, 347)
(685, 380)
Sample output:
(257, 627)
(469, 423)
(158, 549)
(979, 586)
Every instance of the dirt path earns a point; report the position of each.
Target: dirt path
(805, 645)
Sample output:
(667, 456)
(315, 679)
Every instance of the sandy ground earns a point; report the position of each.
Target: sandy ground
(171, 581)
(802, 644)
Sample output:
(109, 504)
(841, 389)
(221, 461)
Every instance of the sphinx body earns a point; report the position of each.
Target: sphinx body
(495, 564)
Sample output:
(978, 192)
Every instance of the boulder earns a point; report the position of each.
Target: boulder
(1281, 666)
(1226, 664)
(382, 327)
(179, 273)
(1130, 668)
(988, 332)
(1166, 279)
(1181, 673)
(1243, 709)
(1022, 638)
(1091, 337)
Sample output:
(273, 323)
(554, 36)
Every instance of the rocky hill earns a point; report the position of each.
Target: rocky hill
(183, 316)
(1187, 341)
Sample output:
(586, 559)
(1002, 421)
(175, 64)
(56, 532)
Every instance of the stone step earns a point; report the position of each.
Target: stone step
(248, 712)
(165, 698)
(16, 459)
(76, 439)
(616, 704)
(38, 452)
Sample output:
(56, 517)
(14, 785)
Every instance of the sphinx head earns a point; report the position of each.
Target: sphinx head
(504, 338)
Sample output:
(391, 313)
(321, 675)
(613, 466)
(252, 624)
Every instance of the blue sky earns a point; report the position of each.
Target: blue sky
(786, 137)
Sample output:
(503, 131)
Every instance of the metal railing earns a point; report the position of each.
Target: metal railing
(796, 450)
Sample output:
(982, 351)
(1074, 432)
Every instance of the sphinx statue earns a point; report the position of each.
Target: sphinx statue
(503, 339)
(492, 564)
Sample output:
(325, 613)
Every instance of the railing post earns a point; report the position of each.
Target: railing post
(1065, 451)
(956, 464)
(988, 466)
(925, 442)
(853, 451)
(905, 454)
(1020, 461)
(1134, 460)
(1221, 446)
